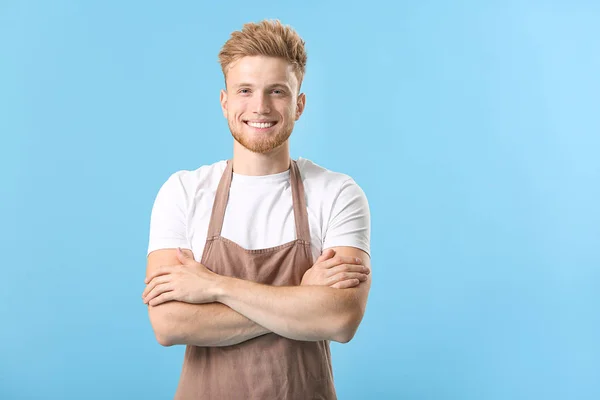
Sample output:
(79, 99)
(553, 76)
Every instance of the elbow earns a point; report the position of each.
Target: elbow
(160, 325)
(164, 340)
(163, 337)
(347, 333)
(348, 328)
(344, 337)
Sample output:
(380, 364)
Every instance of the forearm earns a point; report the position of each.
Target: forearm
(211, 324)
(297, 312)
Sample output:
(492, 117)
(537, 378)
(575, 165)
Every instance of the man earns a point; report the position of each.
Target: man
(258, 262)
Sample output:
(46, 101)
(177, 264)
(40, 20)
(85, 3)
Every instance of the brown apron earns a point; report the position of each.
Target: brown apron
(267, 367)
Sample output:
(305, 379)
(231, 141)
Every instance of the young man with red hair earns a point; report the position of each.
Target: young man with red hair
(256, 263)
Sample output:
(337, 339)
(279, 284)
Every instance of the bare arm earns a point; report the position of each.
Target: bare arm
(211, 324)
(181, 316)
(301, 312)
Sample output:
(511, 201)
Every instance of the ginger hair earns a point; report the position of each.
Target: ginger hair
(265, 38)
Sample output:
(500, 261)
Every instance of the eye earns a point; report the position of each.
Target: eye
(278, 91)
(244, 91)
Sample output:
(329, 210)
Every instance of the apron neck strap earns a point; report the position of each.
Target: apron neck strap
(298, 201)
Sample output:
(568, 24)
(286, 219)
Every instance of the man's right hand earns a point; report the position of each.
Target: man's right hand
(335, 271)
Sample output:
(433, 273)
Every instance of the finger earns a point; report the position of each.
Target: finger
(157, 291)
(327, 253)
(152, 284)
(162, 270)
(347, 268)
(346, 284)
(185, 256)
(337, 260)
(163, 298)
(342, 276)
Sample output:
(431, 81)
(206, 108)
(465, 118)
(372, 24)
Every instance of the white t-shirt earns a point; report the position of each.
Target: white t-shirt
(259, 211)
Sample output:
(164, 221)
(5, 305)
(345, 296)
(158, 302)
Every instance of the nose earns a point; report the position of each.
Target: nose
(261, 104)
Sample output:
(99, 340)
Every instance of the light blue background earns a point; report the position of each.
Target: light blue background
(473, 128)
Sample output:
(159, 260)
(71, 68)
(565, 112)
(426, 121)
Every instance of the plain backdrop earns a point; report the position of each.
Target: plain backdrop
(473, 128)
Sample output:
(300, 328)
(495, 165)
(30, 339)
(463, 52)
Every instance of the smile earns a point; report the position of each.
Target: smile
(260, 125)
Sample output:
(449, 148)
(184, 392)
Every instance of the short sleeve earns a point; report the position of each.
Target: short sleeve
(168, 220)
(350, 222)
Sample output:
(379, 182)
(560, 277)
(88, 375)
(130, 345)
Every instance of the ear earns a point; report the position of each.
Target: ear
(301, 102)
(224, 102)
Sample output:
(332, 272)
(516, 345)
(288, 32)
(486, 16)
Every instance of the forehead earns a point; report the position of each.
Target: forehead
(261, 70)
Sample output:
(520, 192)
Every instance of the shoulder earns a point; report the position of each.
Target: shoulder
(322, 179)
(312, 171)
(190, 181)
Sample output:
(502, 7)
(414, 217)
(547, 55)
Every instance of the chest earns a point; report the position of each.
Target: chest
(255, 218)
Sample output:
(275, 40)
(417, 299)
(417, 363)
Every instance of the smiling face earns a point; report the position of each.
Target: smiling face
(261, 102)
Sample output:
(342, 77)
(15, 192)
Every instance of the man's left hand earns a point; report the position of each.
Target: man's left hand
(190, 282)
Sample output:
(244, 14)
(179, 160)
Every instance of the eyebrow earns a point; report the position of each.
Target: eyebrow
(283, 85)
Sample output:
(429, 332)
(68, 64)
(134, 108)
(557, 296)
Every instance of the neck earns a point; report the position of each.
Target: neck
(246, 162)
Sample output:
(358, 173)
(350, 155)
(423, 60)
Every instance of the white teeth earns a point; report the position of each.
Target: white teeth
(261, 124)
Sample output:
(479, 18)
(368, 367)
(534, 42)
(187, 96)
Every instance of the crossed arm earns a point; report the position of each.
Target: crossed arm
(247, 309)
